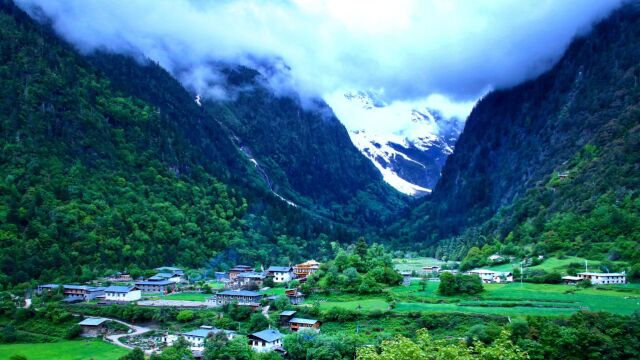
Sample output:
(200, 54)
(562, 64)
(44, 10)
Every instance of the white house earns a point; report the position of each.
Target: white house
(280, 274)
(490, 276)
(266, 340)
(604, 278)
(487, 276)
(198, 337)
(122, 293)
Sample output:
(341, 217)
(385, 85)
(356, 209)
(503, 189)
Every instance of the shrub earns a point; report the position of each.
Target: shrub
(459, 284)
(340, 315)
(73, 332)
(185, 316)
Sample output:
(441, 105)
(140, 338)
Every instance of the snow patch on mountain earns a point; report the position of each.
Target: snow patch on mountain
(408, 142)
(382, 155)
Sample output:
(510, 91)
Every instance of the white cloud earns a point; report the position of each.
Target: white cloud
(410, 49)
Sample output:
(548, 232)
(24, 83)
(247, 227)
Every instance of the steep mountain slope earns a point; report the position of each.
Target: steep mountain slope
(411, 157)
(108, 164)
(554, 161)
(305, 152)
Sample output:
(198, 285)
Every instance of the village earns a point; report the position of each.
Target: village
(242, 286)
(239, 286)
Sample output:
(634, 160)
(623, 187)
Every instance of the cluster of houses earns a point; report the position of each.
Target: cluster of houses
(244, 276)
(238, 281)
(487, 276)
(163, 282)
(490, 276)
(261, 341)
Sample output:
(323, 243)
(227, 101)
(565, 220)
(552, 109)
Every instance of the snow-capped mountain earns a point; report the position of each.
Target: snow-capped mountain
(407, 142)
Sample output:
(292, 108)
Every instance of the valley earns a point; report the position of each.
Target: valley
(229, 204)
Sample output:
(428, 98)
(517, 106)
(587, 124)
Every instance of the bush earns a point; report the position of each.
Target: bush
(585, 283)
(185, 316)
(8, 334)
(459, 284)
(340, 315)
(73, 332)
(135, 354)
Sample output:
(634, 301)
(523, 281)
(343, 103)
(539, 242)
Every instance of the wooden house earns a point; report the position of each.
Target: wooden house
(296, 324)
(93, 327)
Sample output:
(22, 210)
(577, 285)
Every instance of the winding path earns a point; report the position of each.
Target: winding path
(137, 330)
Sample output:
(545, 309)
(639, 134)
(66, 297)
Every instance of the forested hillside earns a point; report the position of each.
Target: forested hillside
(554, 162)
(306, 153)
(108, 164)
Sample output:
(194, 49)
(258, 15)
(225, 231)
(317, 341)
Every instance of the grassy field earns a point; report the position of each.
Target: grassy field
(365, 305)
(500, 299)
(64, 350)
(274, 291)
(540, 299)
(415, 264)
(551, 265)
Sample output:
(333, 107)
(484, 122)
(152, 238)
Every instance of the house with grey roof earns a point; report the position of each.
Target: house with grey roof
(122, 293)
(92, 327)
(242, 297)
(171, 269)
(47, 288)
(280, 274)
(251, 278)
(166, 276)
(266, 340)
(285, 316)
(198, 337)
(156, 287)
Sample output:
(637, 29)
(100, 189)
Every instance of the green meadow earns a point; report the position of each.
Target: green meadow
(513, 299)
(415, 264)
(64, 350)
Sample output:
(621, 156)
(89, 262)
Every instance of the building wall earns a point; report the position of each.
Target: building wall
(281, 277)
(130, 296)
(604, 279)
(263, 346)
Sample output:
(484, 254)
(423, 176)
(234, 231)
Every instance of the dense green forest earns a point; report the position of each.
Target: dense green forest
(108, 164)
(552, 165)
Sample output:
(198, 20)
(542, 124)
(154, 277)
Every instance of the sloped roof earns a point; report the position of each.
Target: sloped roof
(203, 333)
(303, 321)
(159, 283)
(251, 275)
(600, 274)
(269, 335)
(92, 321)
(76, 287)
(239, 293)
(120, 289)
(280, 269)
(287, 312)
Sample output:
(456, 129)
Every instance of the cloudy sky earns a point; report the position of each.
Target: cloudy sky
(405, 50)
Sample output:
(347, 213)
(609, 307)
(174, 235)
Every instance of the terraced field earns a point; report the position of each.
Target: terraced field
(503, 299)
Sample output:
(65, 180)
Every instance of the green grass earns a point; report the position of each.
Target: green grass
(620, 300)
(407, 307)
(64, 350)
(508, 267)
(274, 291)
(552, 264)
(349, 302)
(415, 264)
